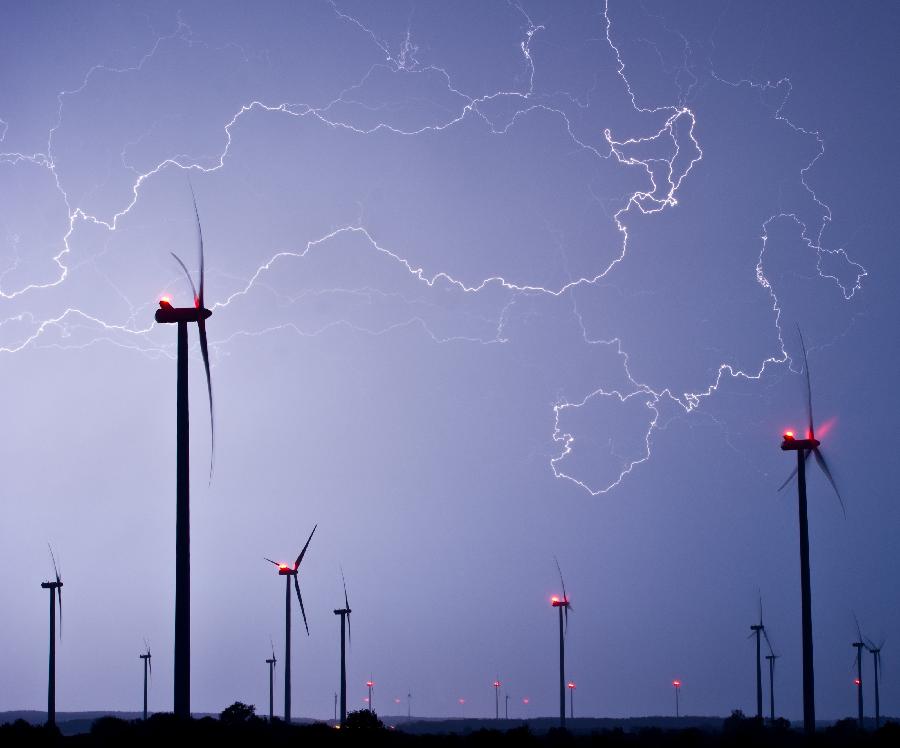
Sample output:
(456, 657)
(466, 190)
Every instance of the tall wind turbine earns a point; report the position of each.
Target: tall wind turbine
(497, 685)
(859, 645)
(563, 606)
(182, 316)
(271, 663)
(344, 613)
(147, 666)
(287, 572)
(804, 448)
(876, 657)
(55, 591)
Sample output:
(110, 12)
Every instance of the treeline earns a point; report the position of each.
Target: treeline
(239, 726)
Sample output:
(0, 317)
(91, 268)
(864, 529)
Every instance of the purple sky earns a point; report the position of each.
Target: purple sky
(491, 283)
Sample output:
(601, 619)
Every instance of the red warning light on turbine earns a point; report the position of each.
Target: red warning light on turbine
(856, 681)
(496, 684)
(282, 566)
(461, 701)
(554, 599)
(370, 683)
(570, 684)
(788, 434)
(676, 683)
(526, 700)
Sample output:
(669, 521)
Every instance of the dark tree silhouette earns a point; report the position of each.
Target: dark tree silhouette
(363, 720)
(238, 713)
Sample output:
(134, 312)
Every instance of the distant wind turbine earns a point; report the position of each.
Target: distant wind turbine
(804, 448)
(859, 645)
(571, 687)
(563, 605)
(876, 657)
(147, 667)
(497, 685)
(182, 316)
(287, 572)
(771, 657)
(55, 591)
(757, 629)
(271, 663)
(344, 613)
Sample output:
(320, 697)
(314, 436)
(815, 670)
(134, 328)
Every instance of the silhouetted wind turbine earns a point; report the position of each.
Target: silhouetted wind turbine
(804, 448)
(147, 666)
(771, 657)
(271, 663)
(756, 630)
(571, 687)
(876, 657)
(497, 685)
(563, 605)
(370, 684)
(859, 645)
(344, 613)
(287, 572)
(182, 316)
(55, 591)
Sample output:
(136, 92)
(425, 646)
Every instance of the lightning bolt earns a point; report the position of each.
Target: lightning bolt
(672, 141)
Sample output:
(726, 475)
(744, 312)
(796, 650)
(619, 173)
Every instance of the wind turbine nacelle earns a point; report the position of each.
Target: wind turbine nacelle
(791, 444)
(168, 314)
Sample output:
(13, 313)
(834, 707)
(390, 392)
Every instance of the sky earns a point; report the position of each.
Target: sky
(492, 283)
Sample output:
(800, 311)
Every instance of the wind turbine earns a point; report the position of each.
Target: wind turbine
(876, 657)
(497, 685)
(756, 630)
(182, 316)
(804, 448)
(147, 666)
(563, 605)
(370, 684)
(287, 572)
(859, 645)
(571, 686)
(55, 591)
(271, 663)
(344, 613)
(771, 657)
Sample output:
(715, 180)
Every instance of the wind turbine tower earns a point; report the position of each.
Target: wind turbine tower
(563, 605)
(804, 449)
(147, 667)
(344, 613)
(284, 570)
(271, 663)
(859, 645)
(55, 589)
(167, 314)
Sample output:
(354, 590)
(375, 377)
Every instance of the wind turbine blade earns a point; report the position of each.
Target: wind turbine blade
(346, 601)
(199, 244)
(760, 612)
(561, 581)
(303, 552)
(824, 465)
(859, 636)
(53, 559)
(204, 351)
(188, 276)
(271, 561)
(300, 599)
(59, 595)
(349, 634)
(768, 642)
(809, 412)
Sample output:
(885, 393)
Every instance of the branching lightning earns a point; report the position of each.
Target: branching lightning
(663, 178)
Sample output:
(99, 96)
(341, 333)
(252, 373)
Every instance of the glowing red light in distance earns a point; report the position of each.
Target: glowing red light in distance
(856, 681)
(496, 684)
(525, 700)
(396, 701)
(554, 599)
(676, 683)
(166, 299)
(461, 701)
(282, 566)
(570, 684)
(370, 683)
(788, 434)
